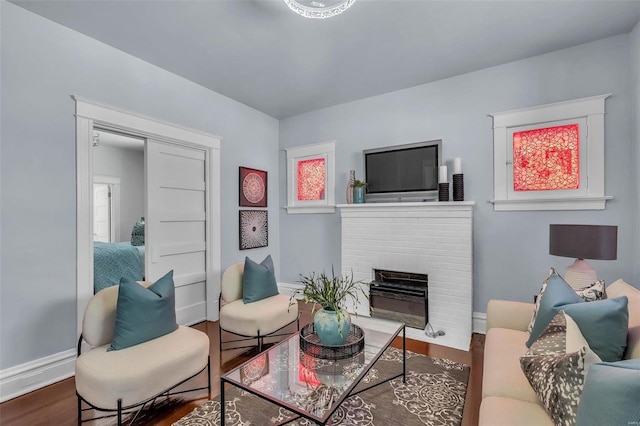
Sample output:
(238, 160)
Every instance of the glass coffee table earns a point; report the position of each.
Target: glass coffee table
(309, 387)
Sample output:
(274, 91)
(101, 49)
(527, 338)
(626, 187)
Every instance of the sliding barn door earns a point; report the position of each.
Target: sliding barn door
(176, 224)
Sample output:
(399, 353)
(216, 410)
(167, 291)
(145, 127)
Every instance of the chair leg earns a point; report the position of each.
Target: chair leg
(79, 411)
(259, 342)
(120, 412)
(209, 375)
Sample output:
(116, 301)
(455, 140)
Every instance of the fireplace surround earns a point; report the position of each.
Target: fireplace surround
(430, 238)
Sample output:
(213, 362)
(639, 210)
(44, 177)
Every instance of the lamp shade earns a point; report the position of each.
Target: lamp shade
(584, 241)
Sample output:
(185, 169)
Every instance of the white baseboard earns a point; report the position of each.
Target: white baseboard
(480, 322)
(33, 375)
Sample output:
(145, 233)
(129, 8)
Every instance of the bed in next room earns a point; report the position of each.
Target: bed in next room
(112, 261)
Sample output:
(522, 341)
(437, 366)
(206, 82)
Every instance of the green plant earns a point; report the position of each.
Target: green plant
(358, 184)
(329, 292)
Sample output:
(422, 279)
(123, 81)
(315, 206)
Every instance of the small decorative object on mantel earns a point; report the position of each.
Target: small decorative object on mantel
(443, 184)
(358, 191)
(352, 179)
(332, 322)
(458, 180)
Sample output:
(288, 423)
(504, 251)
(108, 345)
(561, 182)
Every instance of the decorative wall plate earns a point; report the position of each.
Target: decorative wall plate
(254, 229)
(253, 187)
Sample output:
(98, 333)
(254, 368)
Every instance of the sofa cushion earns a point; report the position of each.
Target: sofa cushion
(620, 288)
(258, 280)
(502, 375)
(144, 313)
(557, 293)
(590, 293)
(603, 322)
(502, 411)
(604, 325)
(611, 394)
(556, 374)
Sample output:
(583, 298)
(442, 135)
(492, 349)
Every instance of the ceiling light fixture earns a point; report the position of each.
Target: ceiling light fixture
(319, 9)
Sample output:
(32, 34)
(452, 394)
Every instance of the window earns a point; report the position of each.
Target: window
(310, 178)
(550, 157)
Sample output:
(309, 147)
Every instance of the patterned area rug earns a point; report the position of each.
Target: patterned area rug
(434, 394)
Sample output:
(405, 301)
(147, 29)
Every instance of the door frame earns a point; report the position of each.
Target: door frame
(114, 185)
(90, 114)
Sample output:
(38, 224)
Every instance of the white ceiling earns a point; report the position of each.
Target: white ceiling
(260, 53)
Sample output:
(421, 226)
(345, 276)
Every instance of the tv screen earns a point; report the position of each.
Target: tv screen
(403, 172)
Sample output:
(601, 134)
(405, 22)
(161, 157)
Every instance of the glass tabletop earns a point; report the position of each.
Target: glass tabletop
(312, 387)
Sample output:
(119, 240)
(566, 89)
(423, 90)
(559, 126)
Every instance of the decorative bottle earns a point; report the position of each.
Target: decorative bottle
(352, 178)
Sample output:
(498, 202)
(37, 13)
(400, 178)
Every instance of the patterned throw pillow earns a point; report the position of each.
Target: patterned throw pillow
(556, 375)
(590, 293)
(558, 381)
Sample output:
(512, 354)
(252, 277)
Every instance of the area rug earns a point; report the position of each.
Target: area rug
(434, 394)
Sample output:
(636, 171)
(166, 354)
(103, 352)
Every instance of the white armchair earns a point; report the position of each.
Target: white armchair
(122, 380)
(255, 320)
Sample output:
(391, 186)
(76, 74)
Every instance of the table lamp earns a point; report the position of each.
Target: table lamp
(583, 242)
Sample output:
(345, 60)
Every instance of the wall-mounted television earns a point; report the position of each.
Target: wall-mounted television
(402, 172)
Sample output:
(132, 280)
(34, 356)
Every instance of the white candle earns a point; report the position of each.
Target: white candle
(443, 174)
(457, 166)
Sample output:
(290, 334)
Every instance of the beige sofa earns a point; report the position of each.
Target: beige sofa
(507, 397)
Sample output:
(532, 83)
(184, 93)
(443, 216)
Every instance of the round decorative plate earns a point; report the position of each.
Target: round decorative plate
(253, 188)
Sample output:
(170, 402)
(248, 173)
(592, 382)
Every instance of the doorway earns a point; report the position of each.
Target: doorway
(199, 301)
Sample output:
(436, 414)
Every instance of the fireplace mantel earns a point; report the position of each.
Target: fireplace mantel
(433, 238)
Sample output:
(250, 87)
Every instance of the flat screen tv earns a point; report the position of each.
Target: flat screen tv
(402, 172)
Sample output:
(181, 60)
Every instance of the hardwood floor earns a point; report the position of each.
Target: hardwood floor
(56, 404)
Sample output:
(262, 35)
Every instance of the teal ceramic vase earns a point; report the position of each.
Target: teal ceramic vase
(358, 194)
(329, 329)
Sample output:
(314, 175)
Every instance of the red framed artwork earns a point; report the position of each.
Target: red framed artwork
(253, 187)
(547, 159)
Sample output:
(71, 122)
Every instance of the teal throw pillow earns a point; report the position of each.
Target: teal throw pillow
(611, 394)
(143, 314)
(604, 325)
(556, 294)
(258, 280)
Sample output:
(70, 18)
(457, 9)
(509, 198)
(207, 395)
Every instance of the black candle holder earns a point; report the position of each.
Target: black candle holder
(443, 191)
(458, 187)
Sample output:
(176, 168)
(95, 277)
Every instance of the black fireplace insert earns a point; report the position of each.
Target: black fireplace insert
(400, 296)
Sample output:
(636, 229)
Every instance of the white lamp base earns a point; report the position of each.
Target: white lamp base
(580, 274)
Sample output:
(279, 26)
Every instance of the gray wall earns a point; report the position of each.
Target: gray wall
(128, 165)
(635, 57)
(510, 248)
(43, 63)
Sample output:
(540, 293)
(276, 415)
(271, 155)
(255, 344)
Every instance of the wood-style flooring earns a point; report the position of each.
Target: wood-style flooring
(56, 404)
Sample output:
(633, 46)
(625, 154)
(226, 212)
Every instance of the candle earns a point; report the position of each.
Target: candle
(443, 174)
(457, 166)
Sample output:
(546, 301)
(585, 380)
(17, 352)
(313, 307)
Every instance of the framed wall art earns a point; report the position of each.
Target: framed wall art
(550, 157)
(254, 229)
(253, 187)
(311, 178)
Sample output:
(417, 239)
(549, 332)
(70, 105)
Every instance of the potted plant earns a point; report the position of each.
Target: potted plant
(358, 191)
(332, 322)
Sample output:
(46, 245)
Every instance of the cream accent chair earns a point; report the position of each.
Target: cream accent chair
(119, 381)
(255, 320)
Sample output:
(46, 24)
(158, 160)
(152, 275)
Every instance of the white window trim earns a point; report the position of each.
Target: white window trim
(317, 150)
(592, 197)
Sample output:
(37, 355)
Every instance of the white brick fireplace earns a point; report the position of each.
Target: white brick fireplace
(433, 238)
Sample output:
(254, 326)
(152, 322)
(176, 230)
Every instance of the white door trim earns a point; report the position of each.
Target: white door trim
(90, 113)
(114, 182)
